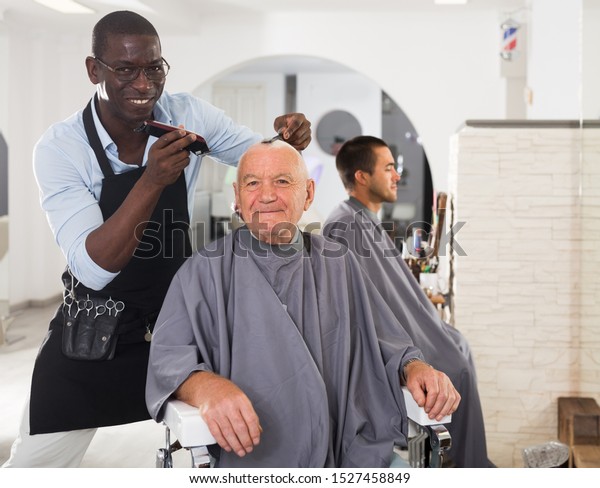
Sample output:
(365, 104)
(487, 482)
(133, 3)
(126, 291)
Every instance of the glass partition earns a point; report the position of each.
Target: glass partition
(590, 199)
(4, 283)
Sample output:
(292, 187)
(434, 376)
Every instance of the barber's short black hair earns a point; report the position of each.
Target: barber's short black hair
(357, 154)
(122, 22)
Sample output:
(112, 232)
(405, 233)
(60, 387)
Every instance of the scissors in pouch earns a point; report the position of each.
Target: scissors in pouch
(86, 305)
(118, 306)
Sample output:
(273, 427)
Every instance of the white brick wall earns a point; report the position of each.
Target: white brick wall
(527, 293)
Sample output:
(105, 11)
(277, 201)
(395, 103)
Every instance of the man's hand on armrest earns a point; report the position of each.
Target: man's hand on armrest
(226, 410)
(431, 389)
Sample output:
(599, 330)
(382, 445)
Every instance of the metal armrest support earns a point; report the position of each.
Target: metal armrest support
(191, 432)
(421, 427)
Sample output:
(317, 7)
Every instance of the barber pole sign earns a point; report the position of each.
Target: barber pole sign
(509, 40)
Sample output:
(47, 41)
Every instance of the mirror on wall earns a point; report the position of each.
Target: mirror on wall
(413, 208)
(340, 103)
(336, 127)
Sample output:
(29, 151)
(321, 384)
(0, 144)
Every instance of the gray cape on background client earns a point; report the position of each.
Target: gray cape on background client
(354, 226)
(304, 334)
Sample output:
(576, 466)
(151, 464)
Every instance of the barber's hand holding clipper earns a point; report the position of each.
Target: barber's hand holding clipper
(168, 157)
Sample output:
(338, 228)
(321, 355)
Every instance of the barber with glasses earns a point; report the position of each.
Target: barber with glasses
(117, 201)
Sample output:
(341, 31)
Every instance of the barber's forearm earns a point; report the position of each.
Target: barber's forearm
(112, 245)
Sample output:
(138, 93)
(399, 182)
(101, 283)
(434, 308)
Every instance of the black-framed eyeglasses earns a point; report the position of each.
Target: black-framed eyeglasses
(157, 72)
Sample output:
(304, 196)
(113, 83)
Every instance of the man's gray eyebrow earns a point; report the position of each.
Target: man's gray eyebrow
(250, 175)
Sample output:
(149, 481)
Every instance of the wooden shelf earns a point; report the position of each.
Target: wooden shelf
(579, 428)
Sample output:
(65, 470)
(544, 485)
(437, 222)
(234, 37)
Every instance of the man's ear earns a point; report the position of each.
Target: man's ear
(310, 193)
(92, 70)
(236, 206)
(360, 177)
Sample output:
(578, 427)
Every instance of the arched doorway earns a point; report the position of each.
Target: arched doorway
(318, 88)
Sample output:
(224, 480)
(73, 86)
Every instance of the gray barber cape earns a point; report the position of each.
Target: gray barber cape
(296, 331)
(355, 227)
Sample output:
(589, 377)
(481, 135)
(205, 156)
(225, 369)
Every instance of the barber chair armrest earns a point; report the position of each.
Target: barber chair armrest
(190, 429)
(187, 425)
(192, 433)
(418, 414)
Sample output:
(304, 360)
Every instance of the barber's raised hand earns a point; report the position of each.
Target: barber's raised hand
(295, 130)
(431, 389)
(226, 410)
(168, 157)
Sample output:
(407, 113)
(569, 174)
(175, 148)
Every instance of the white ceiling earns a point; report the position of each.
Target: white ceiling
(180, 16)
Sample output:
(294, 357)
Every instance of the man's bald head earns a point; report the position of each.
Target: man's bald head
(263, 149)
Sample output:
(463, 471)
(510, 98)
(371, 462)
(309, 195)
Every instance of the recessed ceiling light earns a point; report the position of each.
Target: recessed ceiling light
(450, 2)
(65, 6)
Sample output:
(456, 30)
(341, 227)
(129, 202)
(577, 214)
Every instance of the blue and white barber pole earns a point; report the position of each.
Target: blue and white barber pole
(510, 31)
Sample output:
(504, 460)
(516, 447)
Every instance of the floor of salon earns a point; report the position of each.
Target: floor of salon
(126, 446)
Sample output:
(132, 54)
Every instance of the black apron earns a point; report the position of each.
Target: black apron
(70, 394)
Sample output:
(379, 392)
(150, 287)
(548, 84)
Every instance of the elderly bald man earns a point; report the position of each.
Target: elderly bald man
(283, 343)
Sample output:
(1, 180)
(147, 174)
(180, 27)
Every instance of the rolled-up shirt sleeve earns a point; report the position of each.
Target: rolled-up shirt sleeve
(71, 208)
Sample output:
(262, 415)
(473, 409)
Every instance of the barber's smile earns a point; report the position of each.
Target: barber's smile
(140, 101)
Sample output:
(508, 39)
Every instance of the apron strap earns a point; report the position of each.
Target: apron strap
(94, 139)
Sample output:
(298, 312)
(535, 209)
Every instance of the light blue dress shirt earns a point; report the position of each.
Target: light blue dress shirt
(70, 179)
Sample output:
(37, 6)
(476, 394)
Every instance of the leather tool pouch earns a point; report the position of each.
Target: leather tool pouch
(89, 336)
